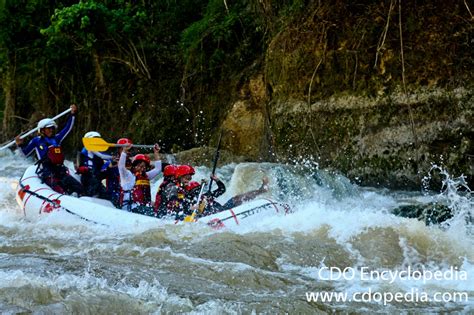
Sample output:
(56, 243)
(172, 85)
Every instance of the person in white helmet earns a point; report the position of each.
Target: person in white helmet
(49, 153)
(93, 166)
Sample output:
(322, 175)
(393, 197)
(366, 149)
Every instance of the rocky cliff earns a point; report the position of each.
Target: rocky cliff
(379, 91)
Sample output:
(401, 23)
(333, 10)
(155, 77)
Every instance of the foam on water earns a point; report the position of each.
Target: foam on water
(333, 223)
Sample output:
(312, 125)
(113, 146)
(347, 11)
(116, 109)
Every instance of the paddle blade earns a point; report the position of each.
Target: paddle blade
(190, 218)
(97, 144)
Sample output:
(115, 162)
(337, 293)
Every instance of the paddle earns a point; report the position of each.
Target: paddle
(216, 157)
(190, 218)
(35, 129)
(100, 145)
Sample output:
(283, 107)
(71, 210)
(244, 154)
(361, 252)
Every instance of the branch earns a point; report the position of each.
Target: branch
(357, 61)
(18, 117)
(226, 7)
(401, 44)
(144, 67)
(415, 138)
(122, 61)
(467, 7)
(316, 69)
(384, 34)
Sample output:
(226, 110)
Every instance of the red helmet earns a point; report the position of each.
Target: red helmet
(183, 170)
(141, 157)
(170, 170)
(124, 141)
(192, 185)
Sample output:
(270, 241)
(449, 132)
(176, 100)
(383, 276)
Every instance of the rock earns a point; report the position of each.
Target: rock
(244, 125)
(432, 213)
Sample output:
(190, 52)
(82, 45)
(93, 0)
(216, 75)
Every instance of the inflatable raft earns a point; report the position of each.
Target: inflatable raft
(36, 199)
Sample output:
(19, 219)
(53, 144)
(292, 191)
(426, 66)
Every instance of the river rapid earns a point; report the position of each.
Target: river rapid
(60, 264)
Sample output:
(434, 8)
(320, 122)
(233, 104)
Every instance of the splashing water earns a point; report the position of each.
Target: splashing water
(61, 264)
(457, 196)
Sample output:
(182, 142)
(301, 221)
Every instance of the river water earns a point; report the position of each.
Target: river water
(60, 264)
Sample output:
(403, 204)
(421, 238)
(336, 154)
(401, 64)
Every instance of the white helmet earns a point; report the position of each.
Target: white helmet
(46, 123)
(92, 134)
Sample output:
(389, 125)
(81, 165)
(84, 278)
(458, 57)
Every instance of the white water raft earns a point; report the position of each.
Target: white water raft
(36, 199)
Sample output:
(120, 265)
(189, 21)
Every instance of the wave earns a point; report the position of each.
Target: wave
(60, 263)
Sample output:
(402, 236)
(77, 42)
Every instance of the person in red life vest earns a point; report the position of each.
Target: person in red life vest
(112, 175)
(210, 205)
(135, 183)
(50, 155)
(161, 200)
(92, 167)
(178, 203)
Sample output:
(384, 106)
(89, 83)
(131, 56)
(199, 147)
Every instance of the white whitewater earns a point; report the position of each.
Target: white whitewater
(61, 264)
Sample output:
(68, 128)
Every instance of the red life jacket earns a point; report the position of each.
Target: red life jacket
(160, 193)
(55, 155)
(141, 192)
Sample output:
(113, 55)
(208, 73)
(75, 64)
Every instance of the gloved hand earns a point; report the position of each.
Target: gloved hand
(82, 170)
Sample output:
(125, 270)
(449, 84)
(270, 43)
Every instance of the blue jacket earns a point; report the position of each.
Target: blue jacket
(40, 144)
(96, 162)
(112, 176)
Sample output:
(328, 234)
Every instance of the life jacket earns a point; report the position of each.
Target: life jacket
(51, 164)
(141, 192)
(55, 155)
(160, 194)
(50, 151)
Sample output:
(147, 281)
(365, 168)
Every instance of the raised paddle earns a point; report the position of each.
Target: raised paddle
(100, 145)
(216, 157)
(35, 129)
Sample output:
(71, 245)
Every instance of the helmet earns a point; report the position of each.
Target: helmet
(92, 134)
(169, 170)
(182, 170)
(46, 123)
(140, 157)
(124, 141)
(192, 185)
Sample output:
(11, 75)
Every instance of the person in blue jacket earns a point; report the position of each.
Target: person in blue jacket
(50, 155)
(93, 169)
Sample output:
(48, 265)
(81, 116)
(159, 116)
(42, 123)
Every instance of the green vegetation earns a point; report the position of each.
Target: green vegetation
(149, 69)
(170, 71)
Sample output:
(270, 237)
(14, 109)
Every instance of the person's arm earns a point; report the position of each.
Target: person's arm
(82, 167)
(220, 187)
(127, 180)
(107, 165)
(30, 147)
(69, 124)
(158, 167)
(103, 156)
(155, 171)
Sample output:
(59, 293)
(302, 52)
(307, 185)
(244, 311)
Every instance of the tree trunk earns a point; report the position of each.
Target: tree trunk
(98, 70)
(9, 89)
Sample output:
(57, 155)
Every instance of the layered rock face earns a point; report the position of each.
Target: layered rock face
(388, 141)
(383, 142)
